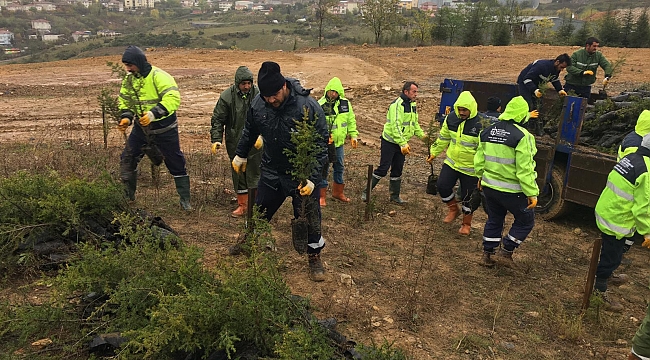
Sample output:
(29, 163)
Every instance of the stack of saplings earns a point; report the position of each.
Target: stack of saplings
(606, 122)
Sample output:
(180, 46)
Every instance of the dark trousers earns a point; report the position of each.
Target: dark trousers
(528, 96)
(580, 90)
(498, 204)
(391, 157)
(168, 143)
(269, 201)
(446, 182)
(611, 255)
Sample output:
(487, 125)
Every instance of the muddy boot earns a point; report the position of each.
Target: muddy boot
(486, 260)
(242, 201)
(323, 195)
(609, 303)
(183, 190)
(373, 183)
(618, 279)
(337, 192)
(453, 213)
(504, 258)
(467, 225)
(130, 183)
(316, 270)
(394, 188)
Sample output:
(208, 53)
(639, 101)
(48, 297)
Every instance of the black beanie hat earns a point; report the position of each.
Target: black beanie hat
(493, 103)
(269, 78)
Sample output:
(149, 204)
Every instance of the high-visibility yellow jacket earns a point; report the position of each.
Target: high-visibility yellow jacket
(632, 141)
(401, 121)
(157, 92)
(341, 121)
(622, 207)
(460, 137)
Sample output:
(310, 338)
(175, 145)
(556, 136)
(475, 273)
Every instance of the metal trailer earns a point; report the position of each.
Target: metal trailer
(566, 174)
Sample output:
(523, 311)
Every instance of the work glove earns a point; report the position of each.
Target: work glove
(215, 146)
(426, 139)
(147, 118)
(532, 202)
(562, 93)
(534, 114)
(239, 164)
(330, 140)
(406, 149)
(306, 190)
(430, 159)
(479, 186)
(588, 73)
(259, 142)
(354, 142)
(605, 81)
(538, 93)
(124, 123)
(646, 242)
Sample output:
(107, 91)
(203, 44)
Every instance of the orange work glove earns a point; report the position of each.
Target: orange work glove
(534, 114)
(354, 142)
(538, 93)
(646, 241)
(587, 73)
(259, 142)
(215, 146)
(307, 189)
(562, 93)
(532, 202)
(406, 149)
(147, 118)
(124, 123)
(430, 159)
(479, 186)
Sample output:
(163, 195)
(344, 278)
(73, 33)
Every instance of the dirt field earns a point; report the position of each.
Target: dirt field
(415, 281)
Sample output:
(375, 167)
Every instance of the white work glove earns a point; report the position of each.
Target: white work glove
(215, 146)
(307, 189)
(147, 118)
(538, 93)
(239, 164)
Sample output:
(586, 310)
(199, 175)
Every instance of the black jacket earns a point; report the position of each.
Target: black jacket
(276, 126)
(537, 71)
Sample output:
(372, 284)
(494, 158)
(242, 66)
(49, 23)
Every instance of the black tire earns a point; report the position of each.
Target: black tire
(551, 205)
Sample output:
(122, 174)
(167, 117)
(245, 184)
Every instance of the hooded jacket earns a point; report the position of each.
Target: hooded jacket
(536, 72)
(276, 125)
(504, 160)
(582, 61)
(622, 207)
(341, 121)
(150, 89)
(460, 137)
(632, 141)
(401, 121)
(229, 114)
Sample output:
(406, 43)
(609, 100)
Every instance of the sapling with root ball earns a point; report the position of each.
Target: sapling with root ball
(304, 161)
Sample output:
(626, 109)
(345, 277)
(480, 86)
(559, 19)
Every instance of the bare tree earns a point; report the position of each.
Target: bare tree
(322, 13)
(381, 16)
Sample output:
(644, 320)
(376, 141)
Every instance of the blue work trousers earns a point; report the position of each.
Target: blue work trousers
(498, 204)
(611, 255)
(446, 182)
(338, 168)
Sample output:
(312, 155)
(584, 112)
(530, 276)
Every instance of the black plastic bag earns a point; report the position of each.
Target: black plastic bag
(331, 153)
(153, 153)
(432, 183)
(299, 237)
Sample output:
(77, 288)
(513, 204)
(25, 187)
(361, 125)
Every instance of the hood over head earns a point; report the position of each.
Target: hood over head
(466, 100)
(643, 123)
(134, 55)
(516, 110)
(336, 85)
(243, 73)
(646, 141)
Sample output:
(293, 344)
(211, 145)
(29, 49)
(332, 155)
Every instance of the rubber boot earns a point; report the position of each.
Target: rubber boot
(242, 201)
(130, 185)
(323, 195)
(453, 213)
(394, 188)
(183, 190)
(337, 192)
(373, 183)
(316, 269)
(487, 259)
(467, 225)
(504, 257)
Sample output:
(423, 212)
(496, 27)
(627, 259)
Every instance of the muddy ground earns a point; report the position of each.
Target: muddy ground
(415, 281)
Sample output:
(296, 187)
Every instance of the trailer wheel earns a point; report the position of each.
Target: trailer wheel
(551, 205)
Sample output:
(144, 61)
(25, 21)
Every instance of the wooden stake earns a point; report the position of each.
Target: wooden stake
(368, 190)
(591, 275)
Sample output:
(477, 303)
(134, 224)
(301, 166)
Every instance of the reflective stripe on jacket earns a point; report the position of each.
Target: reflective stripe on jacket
(504, 159)
(582, 61)
(623, 205)
(141, 94)
(460, 137)
(401, 121)
(340, 118)
(537, 72)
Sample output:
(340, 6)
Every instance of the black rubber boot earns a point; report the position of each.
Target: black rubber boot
(183, 189)
(373, 183)
(130, 183)
(394, 189)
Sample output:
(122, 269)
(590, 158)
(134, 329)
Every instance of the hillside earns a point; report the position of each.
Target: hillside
(415, 281)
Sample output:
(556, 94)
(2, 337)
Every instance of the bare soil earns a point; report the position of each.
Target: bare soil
(415, 281)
